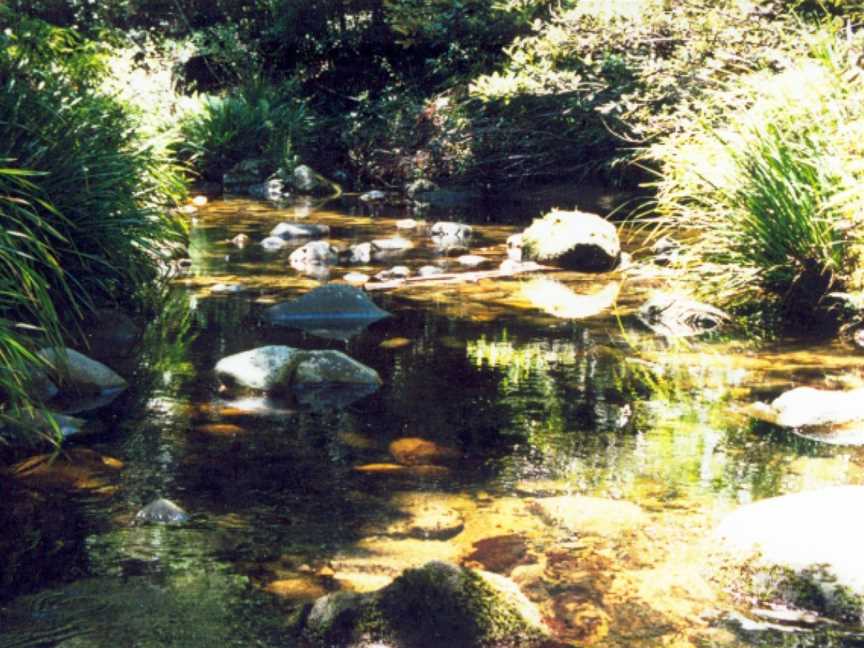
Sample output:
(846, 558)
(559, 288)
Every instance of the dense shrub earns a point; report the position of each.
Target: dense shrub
(257, 120)
(601, 79)
(771, 178)
(83, 196)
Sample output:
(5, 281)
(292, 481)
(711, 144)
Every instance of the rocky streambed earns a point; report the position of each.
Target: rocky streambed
(382, 430)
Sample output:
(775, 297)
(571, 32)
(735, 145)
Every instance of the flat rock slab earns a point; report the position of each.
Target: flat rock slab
(809, 407)
(428, 520)
(817, 528)
(590, 515)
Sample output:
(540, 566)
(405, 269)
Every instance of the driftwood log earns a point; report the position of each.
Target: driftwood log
(457, 277)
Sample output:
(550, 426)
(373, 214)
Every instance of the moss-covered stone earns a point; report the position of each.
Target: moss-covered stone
(574, 240)
(437, 605)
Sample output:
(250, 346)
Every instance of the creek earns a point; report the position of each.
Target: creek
(531, 395)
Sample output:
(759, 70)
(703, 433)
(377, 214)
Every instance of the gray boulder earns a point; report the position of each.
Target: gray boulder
(807, 550)
(673, 315)
(306, 180)
(314, 253)
(280, 368)
(333, 311)
(300, 230)
(79, 374)
(573, 240)
(357, 254)
(162, 511)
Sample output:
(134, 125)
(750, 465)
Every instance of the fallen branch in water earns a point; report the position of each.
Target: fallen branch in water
(458, 277)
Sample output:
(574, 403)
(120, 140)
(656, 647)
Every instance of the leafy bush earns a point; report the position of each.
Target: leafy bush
(771, 178)
(84, 197)
(601, 79)
(254, 121)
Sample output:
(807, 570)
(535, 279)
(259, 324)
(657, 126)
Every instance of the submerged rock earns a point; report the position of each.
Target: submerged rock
(427, 520)
(430, 271)
(162, 511)
(807, 547)
(590, 515)
(437, 605)
(82, 375)
(300, 230)
(809, 407)
(357, 254)
(413, 451)
(333, 311)
(574, 240)
(673, 315)
(472, 260)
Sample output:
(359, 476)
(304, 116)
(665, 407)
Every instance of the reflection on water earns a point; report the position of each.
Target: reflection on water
(497, 396)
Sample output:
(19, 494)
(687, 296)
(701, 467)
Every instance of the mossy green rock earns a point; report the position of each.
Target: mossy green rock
(574, 240)
(437, 605)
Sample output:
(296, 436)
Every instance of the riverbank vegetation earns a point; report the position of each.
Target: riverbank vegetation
(743, 116)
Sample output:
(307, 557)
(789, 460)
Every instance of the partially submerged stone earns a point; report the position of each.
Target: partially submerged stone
(450, 229)
(427, 520)
(300, 230)
(673, 315)
(241, 240)
(573, 240)
(228, 289)
(806, 547)
(277, 368)
(272, 189)
(439, 604)
(810, 407)
(162, 511)
(314, 252)
(356, 278)
(430, 271)
(308, 181)
(333, 311)
(373, 196)
(472, 260)
(590, 515)
(78, 373)
(273, 243)
(396, 272)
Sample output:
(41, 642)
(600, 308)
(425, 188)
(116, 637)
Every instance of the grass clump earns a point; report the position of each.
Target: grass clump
(254, 121)
(84, 198)
(767, 186)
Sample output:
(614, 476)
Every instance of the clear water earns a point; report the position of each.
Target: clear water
(290, 503)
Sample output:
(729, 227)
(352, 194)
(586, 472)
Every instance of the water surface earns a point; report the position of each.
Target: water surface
(290, 502)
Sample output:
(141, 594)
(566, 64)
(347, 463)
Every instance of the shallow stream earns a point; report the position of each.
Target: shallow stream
(528, 392)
